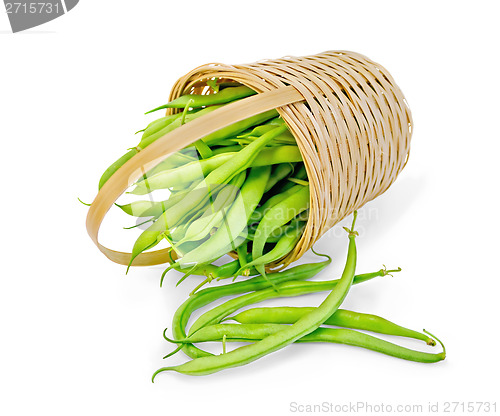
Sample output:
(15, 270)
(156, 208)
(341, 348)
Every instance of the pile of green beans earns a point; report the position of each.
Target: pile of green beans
(243, 190)
(267, 330)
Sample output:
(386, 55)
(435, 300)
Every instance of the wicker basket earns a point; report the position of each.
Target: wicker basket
(350, 119)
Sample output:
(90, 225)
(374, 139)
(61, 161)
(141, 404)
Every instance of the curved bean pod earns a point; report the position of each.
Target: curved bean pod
(342, 318)
(197, 100)
(116, 165)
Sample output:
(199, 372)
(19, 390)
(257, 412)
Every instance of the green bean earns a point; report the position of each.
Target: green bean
(152, 128)
(284, 245)
(342, 318)
(177, 234)
(242, 254)
(175, 124)
(280, 140)
(138, 225)
(256, 131)
(223, 271)
(233, 332)
(219, 86)
(299, 181)
(200, 169)
(213, 215)
(285, 184)
(201, 270)
(301, 173)
(279, 154)
(275, 236)
(147, 240)
(116, 165)
(258, 214)
(276, 121)
(230, 269)
(285, 138)
(157, 208)
(203, 149)
(209, 295)
(280, 172)
(196, 100)
(159, 124)
(183, 174)
(256, 325)
(277, 216)
(142, 208)
(236, 128)
(225, 84)
(227, 149)
(257, 332)
(279, 340)
(216, 272)
(175, 160)
(214, 254)
(359, 339)
(237, 217)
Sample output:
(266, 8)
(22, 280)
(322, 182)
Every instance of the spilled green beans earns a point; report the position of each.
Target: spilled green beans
(209, 295)
(244, 191)
(305, 325)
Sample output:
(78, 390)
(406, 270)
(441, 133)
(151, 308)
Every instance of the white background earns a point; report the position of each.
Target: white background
(78, 337)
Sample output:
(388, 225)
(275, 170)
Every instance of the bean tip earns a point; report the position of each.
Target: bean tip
(438, 340)
(84, 203)
(161, 370)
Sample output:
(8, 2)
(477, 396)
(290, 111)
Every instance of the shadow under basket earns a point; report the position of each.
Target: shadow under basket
(351, 122)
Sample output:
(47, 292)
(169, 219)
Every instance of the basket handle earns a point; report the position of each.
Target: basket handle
(177, 139)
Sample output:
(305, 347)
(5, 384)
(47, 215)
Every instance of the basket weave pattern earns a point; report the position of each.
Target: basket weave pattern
(353, 127)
